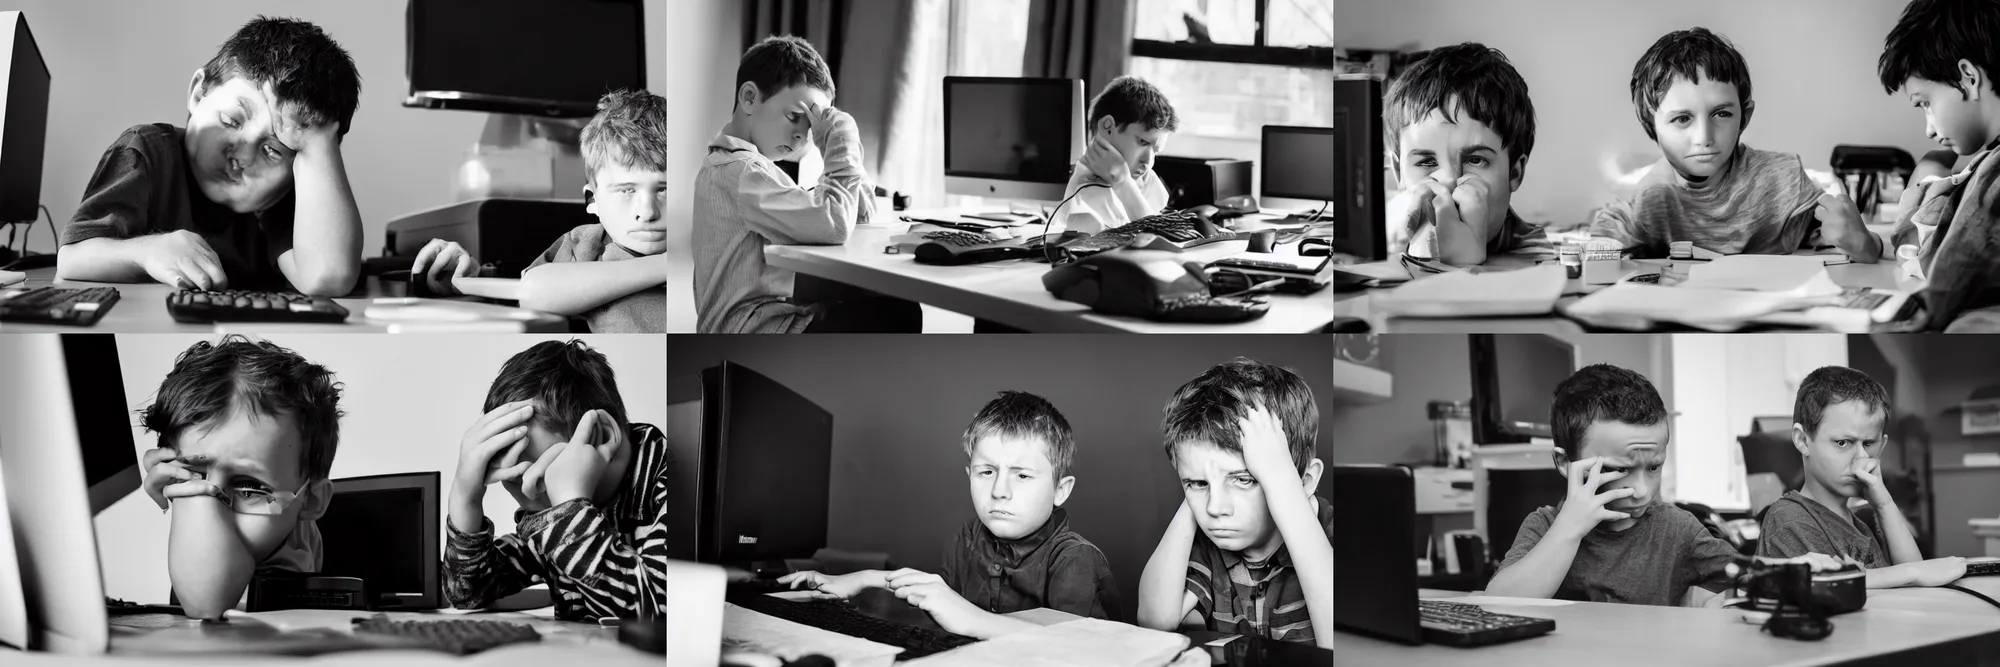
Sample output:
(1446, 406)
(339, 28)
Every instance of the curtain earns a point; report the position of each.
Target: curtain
(1079, 39)
(822, 22)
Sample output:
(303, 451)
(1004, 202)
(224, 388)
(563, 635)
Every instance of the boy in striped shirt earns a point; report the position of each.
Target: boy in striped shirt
(593, 517)
(1251, 550)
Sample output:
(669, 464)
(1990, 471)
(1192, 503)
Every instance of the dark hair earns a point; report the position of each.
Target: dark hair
(630, 129)
(1693, 54)
(1602, 393)
(781, 62)
(210, 380)
(1020, 414)
(1206, 408)
(1932, 36)
(566, 379)
(306, 69)
(1829, 385)
(1130, 99)
(1482, 82)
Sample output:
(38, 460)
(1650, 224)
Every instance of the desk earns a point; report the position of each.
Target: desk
(1885, 274)
(1592, 632)
(1011, 292)
(142, 308)
(884, 605)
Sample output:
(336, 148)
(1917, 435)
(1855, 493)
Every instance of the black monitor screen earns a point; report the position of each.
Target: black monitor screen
(1008, 129)
(392, 559)
(103, 420)
(1298, 162)
(1515, 383)
(27, 120)
(567, 53)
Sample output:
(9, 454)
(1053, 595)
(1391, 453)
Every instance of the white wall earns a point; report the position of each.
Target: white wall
(119, 63)
(1812, 65)
(407, 400)
(1722, 382)
(704, 40)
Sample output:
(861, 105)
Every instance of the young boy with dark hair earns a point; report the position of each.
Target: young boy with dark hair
(592, 488)
(1018, 449)
(1459, 127)
(1841, 427)
(1130, 122)
(1613, 539)
(1250, 551)
(744, 202)
(1691, 92)
(252, 194)
(247, 433)
(1942, 55)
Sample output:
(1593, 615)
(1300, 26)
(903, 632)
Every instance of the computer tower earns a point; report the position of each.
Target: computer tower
(1195, 181)
(1359, 183)
(752, 461)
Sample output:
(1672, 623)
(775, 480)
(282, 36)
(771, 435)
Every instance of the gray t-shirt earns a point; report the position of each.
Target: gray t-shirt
(1653, 562)
(1764, 204)
(1796, 525)
(644, 311)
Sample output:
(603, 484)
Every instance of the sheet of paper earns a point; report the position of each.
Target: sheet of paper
(1639, 306)
(1389, 273)
(1523, 292)
(1801, 275)
(1506, 601)
(1088, 642)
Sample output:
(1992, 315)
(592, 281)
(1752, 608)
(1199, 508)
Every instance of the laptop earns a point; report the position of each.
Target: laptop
(1375, 569)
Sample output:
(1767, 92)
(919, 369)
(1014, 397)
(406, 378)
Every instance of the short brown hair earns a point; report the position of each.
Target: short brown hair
(211, 379)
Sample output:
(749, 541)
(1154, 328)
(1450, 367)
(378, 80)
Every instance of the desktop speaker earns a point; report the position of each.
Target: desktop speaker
(1194, 181)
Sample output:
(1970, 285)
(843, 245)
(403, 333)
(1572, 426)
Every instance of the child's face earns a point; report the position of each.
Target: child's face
(627, 201)
(253, 451)
(1638, 451)
(1014, 485)
(234, 145)
(1950, 118)
(1446, 151)
(1698, 124)
(779, 125)
(1138, 144)
(1849, 432)
(1227, 502)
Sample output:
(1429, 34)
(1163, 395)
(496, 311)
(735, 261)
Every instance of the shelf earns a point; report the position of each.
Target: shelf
(1356, 384)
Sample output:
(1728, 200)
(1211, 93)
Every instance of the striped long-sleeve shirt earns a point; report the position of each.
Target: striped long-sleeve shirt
(597, 561)
(1264, 599)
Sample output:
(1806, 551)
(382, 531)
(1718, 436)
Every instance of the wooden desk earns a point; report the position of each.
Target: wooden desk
(1011, 292)
(142, 308)
(1633, 635)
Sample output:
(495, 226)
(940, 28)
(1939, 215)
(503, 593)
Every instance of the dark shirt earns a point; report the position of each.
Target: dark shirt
(143, 185)
(1653, 562)
(1796, 525)
(1264, 599)
(644, 311)
(1054, 568)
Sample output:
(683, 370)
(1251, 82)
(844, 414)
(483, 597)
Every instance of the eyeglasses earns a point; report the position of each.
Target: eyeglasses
(258, 502)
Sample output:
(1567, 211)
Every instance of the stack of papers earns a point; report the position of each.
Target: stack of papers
(1641, 306)
(1795, 275)
(1525, 292)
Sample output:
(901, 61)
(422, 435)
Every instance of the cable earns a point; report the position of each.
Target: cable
(1051, 218)
(1972, 593)
(57, 243)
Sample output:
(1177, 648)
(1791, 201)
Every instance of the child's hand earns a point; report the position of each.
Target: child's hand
(1938, 571)
(824, 119)
(1840, 226)
(1265, 454)
(167, 476)
(502, 428)
(1868, 471)
(842, 586)
(1105, 162)
(574, 471)
(439, 263)
(1415, 214)
(1584, 508)
(928, 592)
(1469, 197)
(183, 259)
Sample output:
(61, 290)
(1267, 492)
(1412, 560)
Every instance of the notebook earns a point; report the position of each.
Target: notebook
(1641, 306)
(1523, 292)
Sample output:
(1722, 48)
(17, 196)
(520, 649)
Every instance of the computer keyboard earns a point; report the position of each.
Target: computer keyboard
(759, 587)
(58, 305)
(1862, 298)
(837, 616)
(1455, 624)
(205, 307)
(1185, 228)
(1984, 568)
(457, 636)
(961, 239)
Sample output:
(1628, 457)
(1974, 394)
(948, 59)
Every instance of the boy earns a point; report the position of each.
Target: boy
(247, 433)
(1612, 539)
(592, 489)
(1240, 438)
(1842, 417)
(1131, 122)
(1019, 450)
(1940, 55)
(1459, 127)
(252, 194)
(1691, 92)
(743, 202)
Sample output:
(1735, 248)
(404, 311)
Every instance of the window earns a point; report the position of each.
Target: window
(988, 37)
(1233, 66)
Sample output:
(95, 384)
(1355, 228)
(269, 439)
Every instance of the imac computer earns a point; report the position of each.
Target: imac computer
(752, 462)
(549, 58)
(1011, 138)
(24, 120)
(1297, 166)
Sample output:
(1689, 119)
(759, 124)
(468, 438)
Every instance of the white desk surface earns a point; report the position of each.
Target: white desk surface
(1011, 292)
(1633, 635)
(563, 643)
(142, 308)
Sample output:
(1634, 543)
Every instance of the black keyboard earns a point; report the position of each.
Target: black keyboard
(960, 239)
(58, 305)
(206, 307)
(1455, 624)
(458, 636)
(837, 616)
(1205, 308)
(1984, 568)
(1186, 228)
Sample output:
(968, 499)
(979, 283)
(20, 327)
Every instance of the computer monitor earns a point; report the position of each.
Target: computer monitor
(753, 461)
(1374, 552)
(1011, 138)
(533, 57)
(1511, 495)
(383, 529)
(1296, 164)
(24, 120)
(1359, 185)
(66, 452)
(1514, 378)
